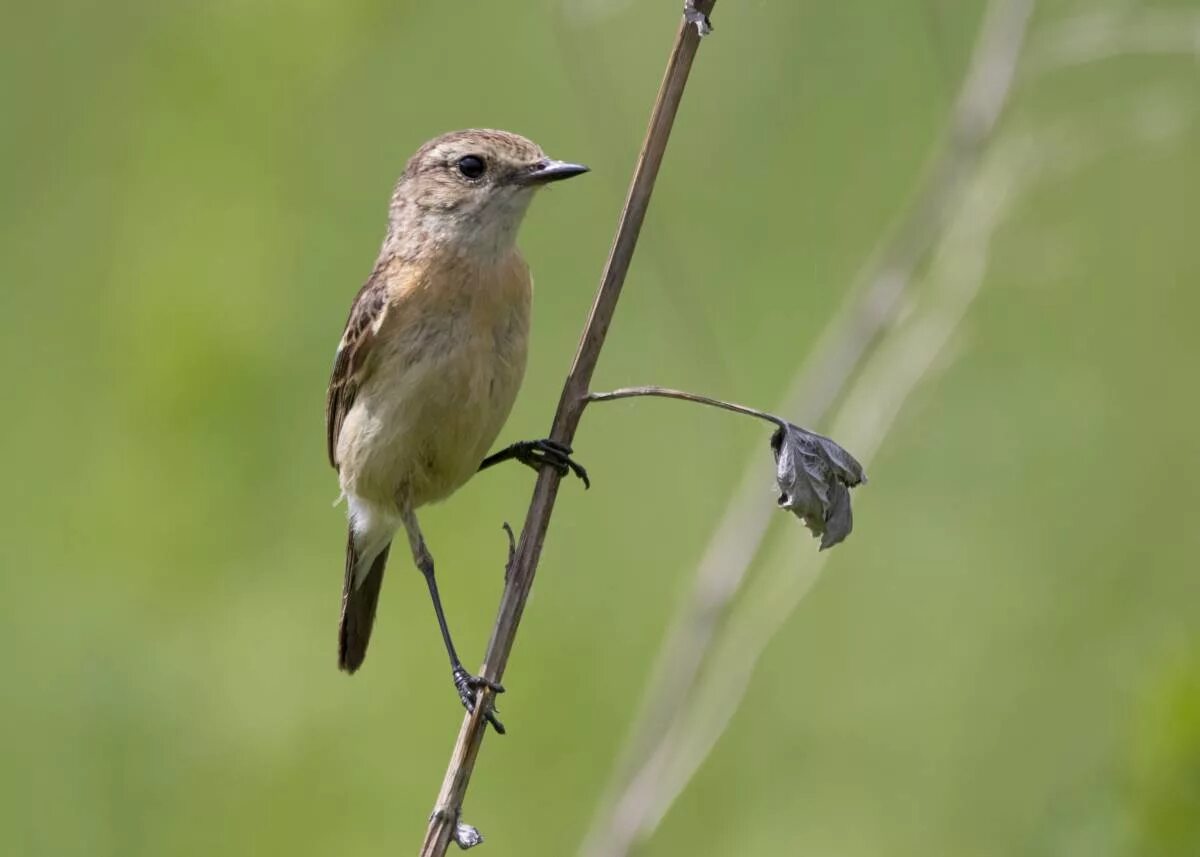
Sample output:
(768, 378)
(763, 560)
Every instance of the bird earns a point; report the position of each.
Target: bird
(430, 362)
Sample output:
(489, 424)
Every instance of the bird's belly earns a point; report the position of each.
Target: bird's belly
(427, 417)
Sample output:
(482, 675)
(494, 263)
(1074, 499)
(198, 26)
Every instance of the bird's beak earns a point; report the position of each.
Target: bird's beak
(549, 170)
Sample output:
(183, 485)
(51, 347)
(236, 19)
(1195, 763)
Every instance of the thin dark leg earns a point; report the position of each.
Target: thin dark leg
(538, 454)
(431, 582)
(466, 684)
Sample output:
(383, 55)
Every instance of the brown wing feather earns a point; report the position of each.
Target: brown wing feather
(352, 361)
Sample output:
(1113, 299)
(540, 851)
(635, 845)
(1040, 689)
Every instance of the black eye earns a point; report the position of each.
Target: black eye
(471, 166)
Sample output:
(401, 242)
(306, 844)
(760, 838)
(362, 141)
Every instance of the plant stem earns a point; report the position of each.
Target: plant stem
(668, 393)
(571, 403)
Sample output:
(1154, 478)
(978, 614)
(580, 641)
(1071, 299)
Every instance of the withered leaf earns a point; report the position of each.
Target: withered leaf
(815, 476)
(696, 18)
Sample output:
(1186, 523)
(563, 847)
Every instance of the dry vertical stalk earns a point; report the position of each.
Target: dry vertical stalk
(444, 825)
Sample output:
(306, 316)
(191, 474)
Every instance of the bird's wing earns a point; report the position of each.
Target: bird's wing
(352, 362)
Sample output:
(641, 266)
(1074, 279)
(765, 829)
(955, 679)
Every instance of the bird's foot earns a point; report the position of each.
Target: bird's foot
(468, 687)
(550, 453)
(538, 454)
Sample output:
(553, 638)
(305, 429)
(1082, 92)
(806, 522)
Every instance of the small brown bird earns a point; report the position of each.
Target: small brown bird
(431, 360)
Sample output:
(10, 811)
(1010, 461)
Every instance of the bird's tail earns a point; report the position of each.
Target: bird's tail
(360, 595)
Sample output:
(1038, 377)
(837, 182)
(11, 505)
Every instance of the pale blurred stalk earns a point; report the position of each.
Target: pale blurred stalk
(675, 728)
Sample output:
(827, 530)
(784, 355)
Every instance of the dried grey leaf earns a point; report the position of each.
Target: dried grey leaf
(815, 476)
(697, 18)
(466, 836)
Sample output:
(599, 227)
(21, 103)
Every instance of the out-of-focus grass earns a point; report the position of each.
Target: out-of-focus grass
(996, 663)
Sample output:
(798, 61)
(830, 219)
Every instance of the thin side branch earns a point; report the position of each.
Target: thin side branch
(668, 393)
(444, 821)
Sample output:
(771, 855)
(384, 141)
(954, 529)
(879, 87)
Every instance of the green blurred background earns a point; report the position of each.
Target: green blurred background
(1005, 657)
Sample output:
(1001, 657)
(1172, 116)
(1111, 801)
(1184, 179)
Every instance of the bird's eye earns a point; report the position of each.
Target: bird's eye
(471, 166)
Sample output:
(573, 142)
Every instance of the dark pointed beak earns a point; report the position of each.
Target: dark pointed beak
(548, 170)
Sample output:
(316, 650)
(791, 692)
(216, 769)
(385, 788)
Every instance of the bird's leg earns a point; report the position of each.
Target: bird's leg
(466, 684)
(538, 454)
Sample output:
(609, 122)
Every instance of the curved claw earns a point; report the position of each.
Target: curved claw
(579, 470)
(558, 456)
(468, 686)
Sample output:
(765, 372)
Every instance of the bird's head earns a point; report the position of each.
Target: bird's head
(469, 190)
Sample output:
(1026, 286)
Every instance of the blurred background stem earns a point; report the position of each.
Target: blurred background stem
(640, 790)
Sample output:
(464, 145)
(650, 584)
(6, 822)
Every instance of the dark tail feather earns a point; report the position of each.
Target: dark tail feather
(358, 607)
